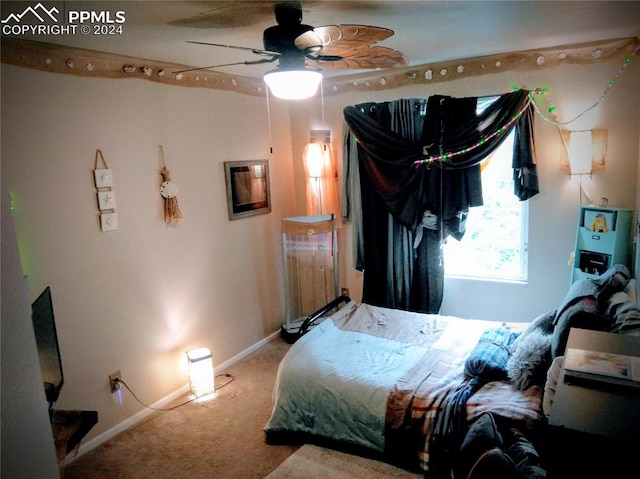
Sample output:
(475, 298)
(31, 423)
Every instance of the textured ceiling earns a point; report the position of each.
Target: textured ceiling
(425, 31)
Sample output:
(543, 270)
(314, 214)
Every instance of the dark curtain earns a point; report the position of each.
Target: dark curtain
(382, 230)
(407, 209)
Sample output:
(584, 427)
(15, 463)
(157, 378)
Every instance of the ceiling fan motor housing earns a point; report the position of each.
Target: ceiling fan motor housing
(281, 38)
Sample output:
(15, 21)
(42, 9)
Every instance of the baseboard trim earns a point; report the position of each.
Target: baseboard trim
(246, 352)
(139, 416)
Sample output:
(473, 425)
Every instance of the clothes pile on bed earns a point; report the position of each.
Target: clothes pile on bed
(440, 394)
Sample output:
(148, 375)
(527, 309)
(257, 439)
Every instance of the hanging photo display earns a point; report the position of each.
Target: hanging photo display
(106, 197)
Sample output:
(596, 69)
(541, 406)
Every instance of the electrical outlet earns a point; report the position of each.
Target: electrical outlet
(113, 378)
(344, 291)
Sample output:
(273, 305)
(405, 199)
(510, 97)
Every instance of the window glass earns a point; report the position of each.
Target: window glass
(494, 244)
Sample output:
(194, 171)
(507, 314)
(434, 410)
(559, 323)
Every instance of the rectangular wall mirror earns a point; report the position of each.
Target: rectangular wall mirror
(247, 188)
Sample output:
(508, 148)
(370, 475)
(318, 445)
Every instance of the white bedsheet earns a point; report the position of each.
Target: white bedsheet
(359, 371)
(376, 377)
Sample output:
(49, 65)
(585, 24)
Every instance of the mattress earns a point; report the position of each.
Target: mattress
(367, 372)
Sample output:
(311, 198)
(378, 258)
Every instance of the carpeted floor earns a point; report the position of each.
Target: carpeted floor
(312, 462)
(222, 438)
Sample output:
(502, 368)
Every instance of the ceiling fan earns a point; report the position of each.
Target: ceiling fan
(302, 51)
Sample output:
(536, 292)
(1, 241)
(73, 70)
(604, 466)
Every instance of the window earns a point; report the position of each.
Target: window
(494, 245)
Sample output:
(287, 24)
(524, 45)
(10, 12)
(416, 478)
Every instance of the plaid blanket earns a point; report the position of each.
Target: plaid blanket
(418, 398)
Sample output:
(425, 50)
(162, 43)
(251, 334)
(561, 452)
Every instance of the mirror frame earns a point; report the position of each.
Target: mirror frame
(257, 195)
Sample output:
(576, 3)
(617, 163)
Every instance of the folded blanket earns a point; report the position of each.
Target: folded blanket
(486, 362)
(488, 359)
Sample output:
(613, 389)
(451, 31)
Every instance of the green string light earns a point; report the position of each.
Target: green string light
(551, 110)
(446, 157)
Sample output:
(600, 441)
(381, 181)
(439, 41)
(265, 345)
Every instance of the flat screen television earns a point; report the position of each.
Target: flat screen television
(44, 327)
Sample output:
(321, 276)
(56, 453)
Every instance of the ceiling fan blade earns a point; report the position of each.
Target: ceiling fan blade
(248, 49)
(334, 46)
(351, 37)
(351, 46)
(374, 57)
(364, 34)
(324, 58)
(309, 41)
(252, 62)
(328, 34)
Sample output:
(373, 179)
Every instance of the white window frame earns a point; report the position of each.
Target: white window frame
(486, 274)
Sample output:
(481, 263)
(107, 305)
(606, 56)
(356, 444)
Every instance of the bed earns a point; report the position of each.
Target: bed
(367, 373)
(410, 385)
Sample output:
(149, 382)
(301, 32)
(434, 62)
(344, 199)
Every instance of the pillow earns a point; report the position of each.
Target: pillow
(530, 359)
(611, 281)
(543, 323)
(632, 289)
(488, 358)
(579, 309)
(626, 318)
(579, 290)
(582, 314)
(614, 301)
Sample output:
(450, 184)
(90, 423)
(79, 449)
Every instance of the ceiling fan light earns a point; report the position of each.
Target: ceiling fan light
(293, 84)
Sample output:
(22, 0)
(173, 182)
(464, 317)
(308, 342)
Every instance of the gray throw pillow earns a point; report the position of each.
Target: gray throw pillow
(530, 359)
(579, 291)
(543, 323)
(626, 319)
(583, 314)
(611, 281)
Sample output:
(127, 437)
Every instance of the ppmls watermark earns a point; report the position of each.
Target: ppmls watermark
(42, 20)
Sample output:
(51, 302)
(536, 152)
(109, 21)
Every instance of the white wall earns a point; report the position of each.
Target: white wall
(137, 298)
(25, 422)
(553, 212)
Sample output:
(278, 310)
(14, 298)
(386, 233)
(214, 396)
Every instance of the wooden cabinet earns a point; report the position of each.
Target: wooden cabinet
(603, 238)
(69, 428)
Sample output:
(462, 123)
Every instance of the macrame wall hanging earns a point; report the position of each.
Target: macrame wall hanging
(106, 197)
(169, 191)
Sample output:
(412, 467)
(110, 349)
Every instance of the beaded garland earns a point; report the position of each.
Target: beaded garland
(445, 157)
(551, 110)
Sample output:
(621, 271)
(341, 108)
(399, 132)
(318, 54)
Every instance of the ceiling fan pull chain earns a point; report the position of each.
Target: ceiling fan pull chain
(324, 127)
(269, 122)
